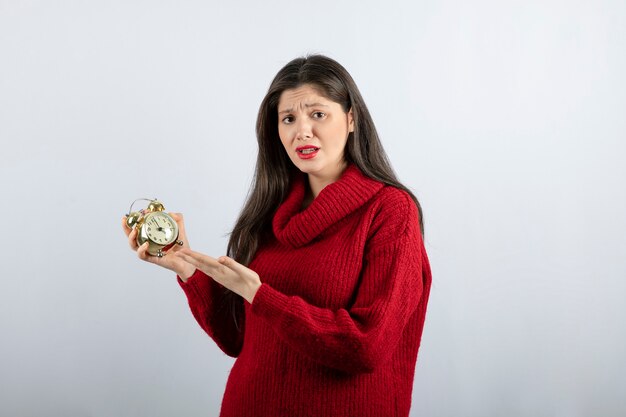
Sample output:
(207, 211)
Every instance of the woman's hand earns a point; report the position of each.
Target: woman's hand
(169, 261)
(225, 271)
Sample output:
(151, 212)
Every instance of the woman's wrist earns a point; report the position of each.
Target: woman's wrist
(251, 291)
(186, 272)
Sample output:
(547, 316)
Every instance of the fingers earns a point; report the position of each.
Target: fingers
(225, 271)
(131, 234)
(200, 260)
(125, 226)
(203, 262)
(182, 233)
(132, 239)
(168, 261)
(232, 264)
(176, 216)
(142, 253)
(196, 258)
(238, 268)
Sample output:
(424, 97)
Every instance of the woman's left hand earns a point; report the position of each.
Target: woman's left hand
(225, 271)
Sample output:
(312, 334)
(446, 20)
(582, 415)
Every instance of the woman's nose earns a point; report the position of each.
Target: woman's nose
(304, 130)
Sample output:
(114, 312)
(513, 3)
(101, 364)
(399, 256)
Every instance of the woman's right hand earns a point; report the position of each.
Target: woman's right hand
(173, 263)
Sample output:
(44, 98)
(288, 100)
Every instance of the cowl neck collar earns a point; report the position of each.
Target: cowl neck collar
(337, 200)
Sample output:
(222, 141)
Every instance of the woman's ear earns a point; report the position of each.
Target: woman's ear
(350, 121)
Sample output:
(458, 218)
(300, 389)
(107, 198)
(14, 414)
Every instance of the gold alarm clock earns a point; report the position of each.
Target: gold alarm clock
(154, 226)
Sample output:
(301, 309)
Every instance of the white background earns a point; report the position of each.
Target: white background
(506, 118)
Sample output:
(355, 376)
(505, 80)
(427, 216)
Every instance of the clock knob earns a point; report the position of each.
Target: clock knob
(155, 206)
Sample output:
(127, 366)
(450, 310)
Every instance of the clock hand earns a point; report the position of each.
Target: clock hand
(155, 222)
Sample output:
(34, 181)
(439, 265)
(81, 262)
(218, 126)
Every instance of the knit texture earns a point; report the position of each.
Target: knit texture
(335, 328)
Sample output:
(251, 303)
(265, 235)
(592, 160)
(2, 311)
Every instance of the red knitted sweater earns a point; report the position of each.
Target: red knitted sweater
(335, 327)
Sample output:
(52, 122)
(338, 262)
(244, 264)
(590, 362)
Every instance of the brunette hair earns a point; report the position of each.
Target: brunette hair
(274, 170)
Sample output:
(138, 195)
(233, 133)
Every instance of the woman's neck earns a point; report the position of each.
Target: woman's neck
(316, 184)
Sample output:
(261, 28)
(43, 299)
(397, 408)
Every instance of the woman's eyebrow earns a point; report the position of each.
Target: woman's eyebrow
(289, 110)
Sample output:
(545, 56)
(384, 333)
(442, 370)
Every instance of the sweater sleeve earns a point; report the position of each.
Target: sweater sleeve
(359, 338)
(212, 310)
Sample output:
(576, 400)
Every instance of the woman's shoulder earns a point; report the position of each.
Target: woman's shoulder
(394, 213)
(393, 198)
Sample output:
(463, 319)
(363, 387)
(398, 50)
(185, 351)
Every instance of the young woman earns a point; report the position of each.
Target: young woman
(323, 294)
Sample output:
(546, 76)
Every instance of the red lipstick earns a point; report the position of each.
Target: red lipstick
(304, 152)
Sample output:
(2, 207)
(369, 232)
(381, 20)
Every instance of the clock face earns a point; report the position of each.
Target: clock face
(160, 228)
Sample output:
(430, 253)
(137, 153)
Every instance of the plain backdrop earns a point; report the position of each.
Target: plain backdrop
(506, 118)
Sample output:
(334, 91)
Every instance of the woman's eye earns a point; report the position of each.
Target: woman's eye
(287, 119)
(318, 115)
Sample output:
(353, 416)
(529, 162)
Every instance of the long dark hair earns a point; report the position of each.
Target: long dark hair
(274, 170)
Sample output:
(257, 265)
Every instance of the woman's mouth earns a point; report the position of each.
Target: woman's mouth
(307, 153)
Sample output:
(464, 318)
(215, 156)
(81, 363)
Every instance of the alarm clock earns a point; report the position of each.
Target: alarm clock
(154, 226)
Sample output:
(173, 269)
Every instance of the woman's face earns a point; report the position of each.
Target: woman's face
(308, 119)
